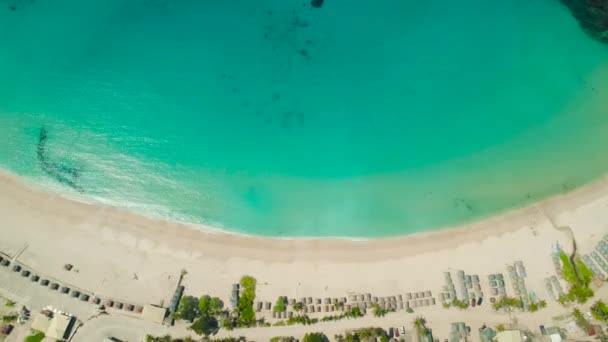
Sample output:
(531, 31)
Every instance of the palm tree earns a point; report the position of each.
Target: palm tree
(419, 324)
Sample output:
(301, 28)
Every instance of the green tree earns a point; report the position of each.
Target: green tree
(579, 276)
(283, 339)
(378, 311)
(298, 306)
(10, 318)
(204, 304)
(227, 324)
(581, 321)
(187, 309)
(315, 337)
(216, 305)
(35, 337)
(599, 311)
(280, 305)
(245, 306)
(205, 325)
(419, 325)
(507, 303)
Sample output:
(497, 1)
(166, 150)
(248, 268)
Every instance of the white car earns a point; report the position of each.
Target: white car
(402, 330)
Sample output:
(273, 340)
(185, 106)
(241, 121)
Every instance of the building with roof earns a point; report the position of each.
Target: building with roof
(487, 334)
(57, 327)
(153, 313)
(510, 336)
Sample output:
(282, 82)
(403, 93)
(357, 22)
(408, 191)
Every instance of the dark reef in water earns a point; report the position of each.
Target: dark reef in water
(592, 16)
(316, 3)
(63, 174)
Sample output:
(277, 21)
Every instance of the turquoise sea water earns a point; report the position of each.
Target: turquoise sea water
(358, 119)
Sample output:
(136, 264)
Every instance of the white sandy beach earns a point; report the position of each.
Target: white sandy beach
(124, 255)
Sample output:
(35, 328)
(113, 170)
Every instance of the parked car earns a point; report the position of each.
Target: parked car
(402, 330)
(396, 332)
(391, 332)
(480, 300)
(473, 302)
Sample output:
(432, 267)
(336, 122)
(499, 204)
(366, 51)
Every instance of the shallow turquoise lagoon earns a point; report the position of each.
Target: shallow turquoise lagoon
(273, 118)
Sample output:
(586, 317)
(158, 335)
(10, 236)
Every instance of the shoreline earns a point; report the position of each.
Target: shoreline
(123, 255)
(512, 213)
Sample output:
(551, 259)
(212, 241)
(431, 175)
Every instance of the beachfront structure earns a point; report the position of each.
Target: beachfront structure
(510, 336)
(177, 296)
(487, 334)
(57, 327)
(155, 314)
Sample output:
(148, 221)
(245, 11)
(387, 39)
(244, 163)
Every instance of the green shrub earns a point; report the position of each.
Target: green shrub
(315, 337)
(245, 307)
(205, 325)
(579, 280)
(280, 305)
(35, 337)
(599, 311)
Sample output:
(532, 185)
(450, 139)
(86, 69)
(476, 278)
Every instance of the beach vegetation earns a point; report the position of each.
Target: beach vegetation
(205, 325)
(363, 334)
(315, 337)
(507, 303)
(280, 305)
(419, 325)
(581, 321)
(599, 311)
(409, 310)
(533, 307)
(10, 318)
(210, 305)
(245, 306)
(354, 313)
(456, 303)
(168, 338)
(10, 303)
(227, 324)
(302, 319)
(579, 277)
(378, 311)
(283, 339)
(188, 309)
(35, 337)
